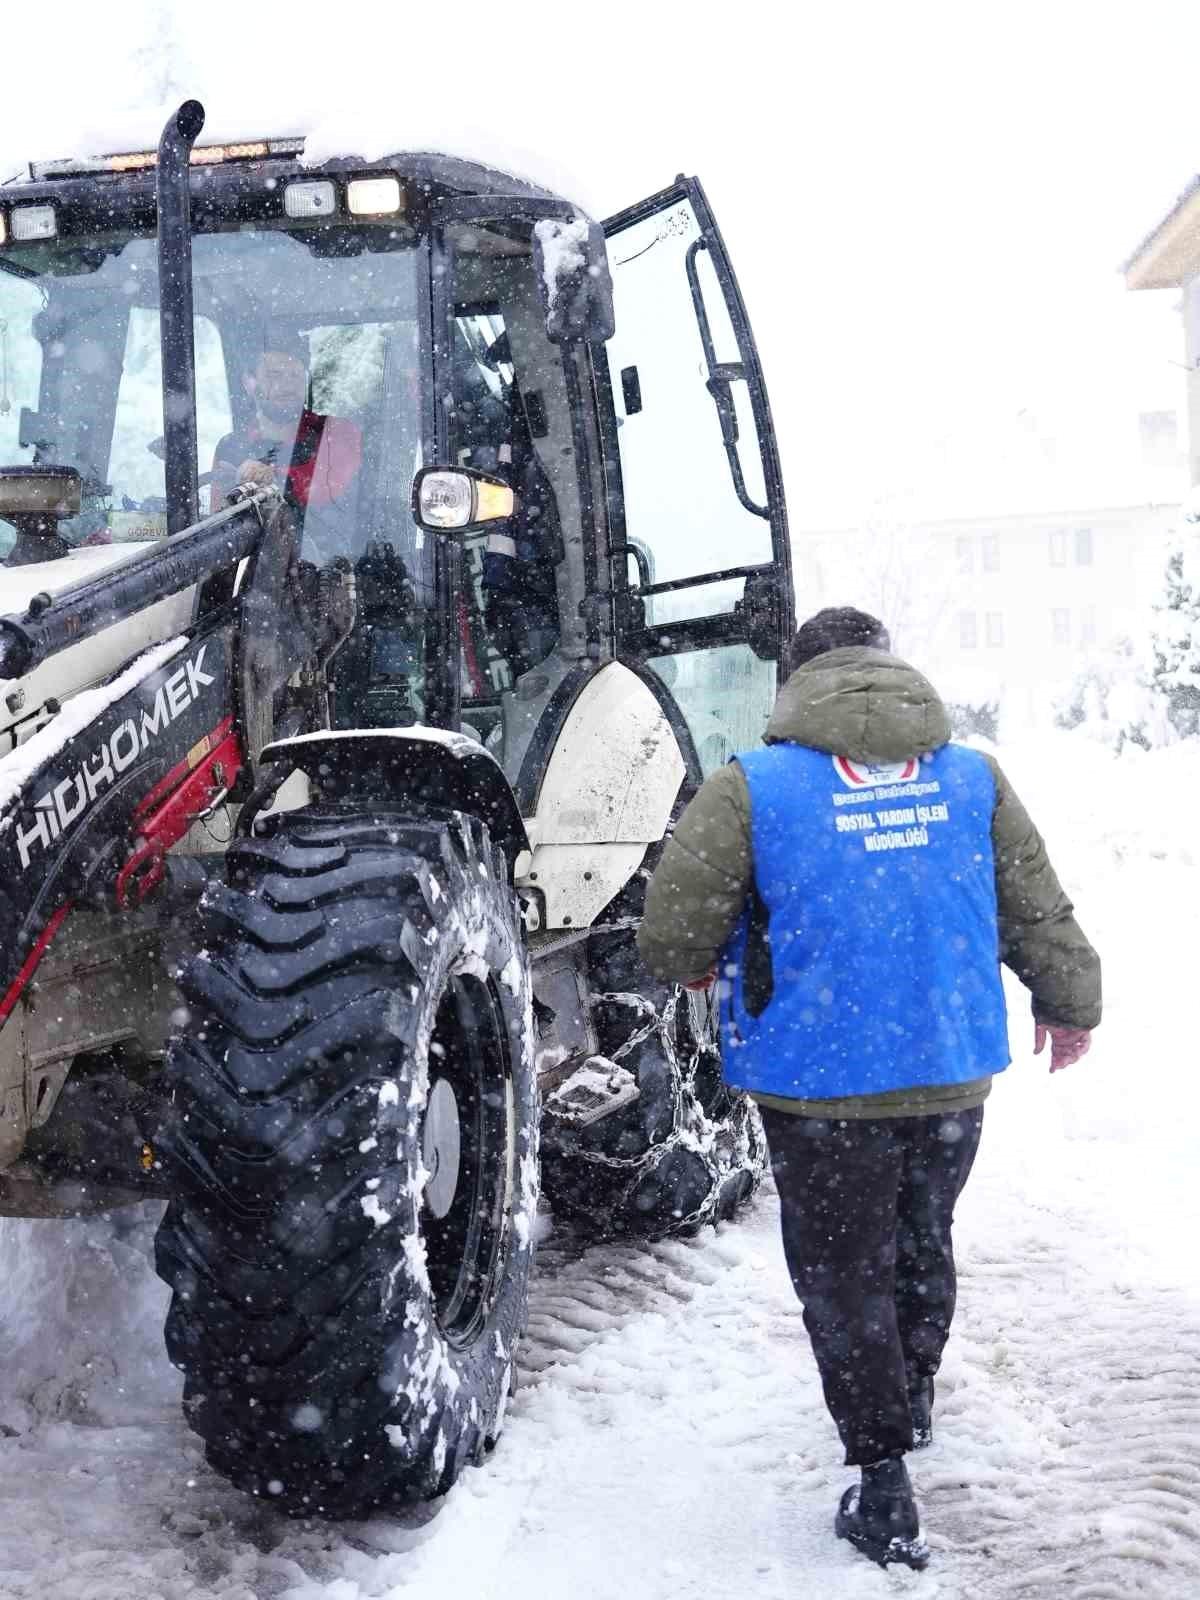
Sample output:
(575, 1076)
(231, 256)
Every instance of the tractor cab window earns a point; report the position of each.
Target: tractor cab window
(20, 364)
(308, 375)
(81, 385)
(703, 555)
(508, 619)
(136, 474)
(511, 415)
(306, 371)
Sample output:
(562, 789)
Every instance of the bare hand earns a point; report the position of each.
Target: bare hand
(698, 985)
(257, 472)
(1066, 1044)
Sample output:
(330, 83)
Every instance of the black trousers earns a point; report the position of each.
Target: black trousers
(866, 1210)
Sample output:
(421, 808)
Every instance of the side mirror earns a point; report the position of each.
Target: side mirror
(571, 261)
(51, 492)
(35, 500)
(459, 499)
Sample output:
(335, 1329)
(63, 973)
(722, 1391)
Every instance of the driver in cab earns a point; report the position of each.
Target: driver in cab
(314, 459)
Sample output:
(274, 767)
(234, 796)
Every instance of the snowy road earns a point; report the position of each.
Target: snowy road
(668, 1440)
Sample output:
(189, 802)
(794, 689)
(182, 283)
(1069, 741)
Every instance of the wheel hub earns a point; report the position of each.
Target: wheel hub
(466, 1143)
(442, 1148)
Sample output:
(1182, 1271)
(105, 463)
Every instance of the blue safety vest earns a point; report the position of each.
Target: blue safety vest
(877, 901)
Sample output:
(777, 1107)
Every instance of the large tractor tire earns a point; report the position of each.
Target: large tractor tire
(678, 1148)
(351, 1146)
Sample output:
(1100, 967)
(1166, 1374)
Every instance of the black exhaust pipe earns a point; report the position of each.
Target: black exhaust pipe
(175, 314)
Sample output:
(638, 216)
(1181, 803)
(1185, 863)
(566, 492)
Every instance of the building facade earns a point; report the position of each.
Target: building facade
(1004, 613)
(1169, 258)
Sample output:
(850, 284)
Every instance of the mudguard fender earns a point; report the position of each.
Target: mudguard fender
(419, 767)
(613, 768)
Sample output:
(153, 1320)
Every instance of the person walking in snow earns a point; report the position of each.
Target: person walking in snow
(853, 887)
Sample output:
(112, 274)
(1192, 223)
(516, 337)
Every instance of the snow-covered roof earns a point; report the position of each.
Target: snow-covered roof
(1170, 254)
(472, 153)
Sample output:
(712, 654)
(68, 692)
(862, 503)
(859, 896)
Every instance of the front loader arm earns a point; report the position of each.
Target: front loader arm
(93, 800)
(51, 624)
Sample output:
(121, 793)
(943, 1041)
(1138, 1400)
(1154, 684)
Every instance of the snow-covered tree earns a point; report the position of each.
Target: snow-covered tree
(1111, 699)
(1175, 641)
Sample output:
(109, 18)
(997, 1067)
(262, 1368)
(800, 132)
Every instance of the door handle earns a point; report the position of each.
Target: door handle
(639, 555)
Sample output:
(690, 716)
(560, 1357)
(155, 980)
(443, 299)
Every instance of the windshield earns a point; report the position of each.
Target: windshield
(296, 353)
(307, 375)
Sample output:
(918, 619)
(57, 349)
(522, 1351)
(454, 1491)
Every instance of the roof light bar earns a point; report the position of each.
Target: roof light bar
(210, 155)
(204, 155)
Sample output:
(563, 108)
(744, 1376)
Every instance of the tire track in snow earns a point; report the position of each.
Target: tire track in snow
(668, 1440)
(583, 1294)
(652, 1450)
(1068, 1454)
(1068, 1414)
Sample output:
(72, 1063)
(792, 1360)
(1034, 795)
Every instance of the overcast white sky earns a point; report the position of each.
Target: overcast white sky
(926, 203)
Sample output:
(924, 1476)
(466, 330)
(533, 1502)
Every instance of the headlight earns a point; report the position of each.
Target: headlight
(315, 199)
(373, 197)
(445, 500)
(453, 499)
(33, 222)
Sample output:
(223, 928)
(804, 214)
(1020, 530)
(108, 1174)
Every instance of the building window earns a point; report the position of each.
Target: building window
(1083, 547)
(1058, 547)
(1160, 438)
(1060, 625)
(994, 629)
(1087, 625)
(965, 547)
(968, 633)
(990, 551)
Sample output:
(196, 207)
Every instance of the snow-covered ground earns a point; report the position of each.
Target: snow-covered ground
(669, 1438)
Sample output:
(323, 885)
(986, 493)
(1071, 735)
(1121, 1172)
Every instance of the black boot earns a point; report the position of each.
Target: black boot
(920, 1403)
(879, 1516)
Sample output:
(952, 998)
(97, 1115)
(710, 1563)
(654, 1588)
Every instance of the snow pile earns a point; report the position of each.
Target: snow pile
(81, 1318)
(1105, 815)
(564, 247)
(459, 745)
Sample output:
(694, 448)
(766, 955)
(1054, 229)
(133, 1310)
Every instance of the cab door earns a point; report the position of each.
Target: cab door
(700, 553)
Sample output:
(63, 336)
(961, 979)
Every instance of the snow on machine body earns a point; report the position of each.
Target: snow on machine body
(393, 550)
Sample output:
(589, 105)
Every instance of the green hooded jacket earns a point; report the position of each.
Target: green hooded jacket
(873, 707)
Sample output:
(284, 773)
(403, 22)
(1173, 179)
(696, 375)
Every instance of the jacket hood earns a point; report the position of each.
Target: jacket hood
(865, 704)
